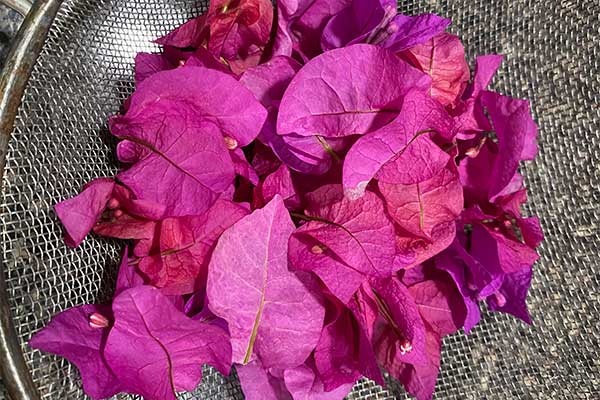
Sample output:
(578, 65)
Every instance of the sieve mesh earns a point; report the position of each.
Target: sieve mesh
(85, 72)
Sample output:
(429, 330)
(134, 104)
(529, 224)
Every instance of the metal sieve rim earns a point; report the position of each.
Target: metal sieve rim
(13, 80)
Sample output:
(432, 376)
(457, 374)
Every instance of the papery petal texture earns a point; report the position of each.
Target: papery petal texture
(440, 306)
(128, 277)
(304, 383)
(450, 263)
(400, 152)
(342, 92)
(79, 214)
(182, 137)
(70, 335)
(239, 31)
(344, 352)
(155, 350)
(516, 132)
(178, 263)
(344, 241)
(419, 208)
(250, 286)
(356, 23)
(443, 58)
(258, 384)
(407, 31)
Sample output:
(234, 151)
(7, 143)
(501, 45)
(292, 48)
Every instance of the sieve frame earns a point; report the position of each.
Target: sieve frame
(14, 77)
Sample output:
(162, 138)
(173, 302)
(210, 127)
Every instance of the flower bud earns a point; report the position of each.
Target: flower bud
(472, 152)
(317, 249)
(113, 204)
(500, 299)
(98, 321)
(405, 346)
(230, 142)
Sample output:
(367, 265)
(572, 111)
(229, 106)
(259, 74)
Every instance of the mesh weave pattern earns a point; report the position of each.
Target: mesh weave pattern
(85, 71)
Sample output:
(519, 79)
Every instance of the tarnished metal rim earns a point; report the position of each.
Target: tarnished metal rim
(13, 80)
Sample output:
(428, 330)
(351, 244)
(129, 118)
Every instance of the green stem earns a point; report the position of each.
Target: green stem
(328, 148)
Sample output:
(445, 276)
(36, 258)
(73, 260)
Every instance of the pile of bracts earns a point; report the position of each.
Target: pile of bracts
(309, 194)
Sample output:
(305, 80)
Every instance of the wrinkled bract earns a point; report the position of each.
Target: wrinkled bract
(420, 207)
(344, 241)
(442, 58)
(234, 31)
(155, 350)
(401, 152)
(340, 93)
(178, 260)
(250, 286)
(70, 335)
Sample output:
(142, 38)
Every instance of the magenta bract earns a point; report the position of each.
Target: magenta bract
(250, 286)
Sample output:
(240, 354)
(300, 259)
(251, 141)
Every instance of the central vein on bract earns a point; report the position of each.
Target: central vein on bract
(421, 209)
(261, 305)
(328, 148)
(160, 344)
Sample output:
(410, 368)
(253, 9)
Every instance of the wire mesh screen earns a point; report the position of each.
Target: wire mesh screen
(85, 72)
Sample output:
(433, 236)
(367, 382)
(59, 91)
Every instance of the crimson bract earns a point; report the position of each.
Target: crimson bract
(307, 200)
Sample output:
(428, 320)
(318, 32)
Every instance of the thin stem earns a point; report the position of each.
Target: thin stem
(328, 148)
(384, 309)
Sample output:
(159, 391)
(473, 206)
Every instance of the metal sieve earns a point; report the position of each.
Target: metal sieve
(71, 67)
